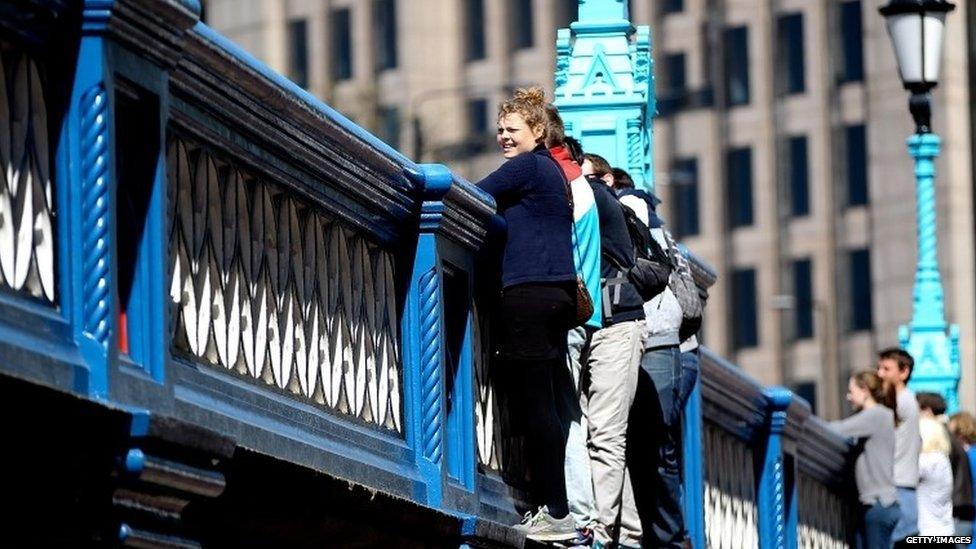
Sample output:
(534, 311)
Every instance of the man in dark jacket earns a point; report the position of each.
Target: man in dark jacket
(613, 363)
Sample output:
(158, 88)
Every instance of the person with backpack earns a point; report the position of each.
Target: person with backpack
(670, 318)
(612, 367)
(586, 254)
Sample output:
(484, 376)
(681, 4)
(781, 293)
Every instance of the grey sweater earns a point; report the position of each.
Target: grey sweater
(874, 469)
(908, 441)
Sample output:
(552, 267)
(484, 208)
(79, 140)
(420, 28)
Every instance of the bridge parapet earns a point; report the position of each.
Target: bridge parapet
(254, 292)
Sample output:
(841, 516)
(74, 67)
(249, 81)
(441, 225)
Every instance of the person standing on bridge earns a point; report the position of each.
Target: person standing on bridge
(873, 425)
(538, 302)
(895, 368)
(587, 255)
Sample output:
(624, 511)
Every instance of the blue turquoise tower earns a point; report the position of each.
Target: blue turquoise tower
(605, 86)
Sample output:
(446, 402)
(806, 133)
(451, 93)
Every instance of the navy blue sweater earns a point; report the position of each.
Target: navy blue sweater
(531, 196)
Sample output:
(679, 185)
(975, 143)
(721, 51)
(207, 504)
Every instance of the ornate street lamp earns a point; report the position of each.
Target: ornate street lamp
(916, 28)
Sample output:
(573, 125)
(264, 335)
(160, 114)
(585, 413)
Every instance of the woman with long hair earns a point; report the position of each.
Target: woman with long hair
(538, 302)
(873, 425)
(935, 477)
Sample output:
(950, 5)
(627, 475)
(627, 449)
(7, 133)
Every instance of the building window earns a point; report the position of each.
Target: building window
(384, 23)
(860, 300)
(389, 126)
(672, 95)
(474, 35)
(672, 6)
(684, 192)
(851, 65)
(798, 173)
(745, 329)
(567, 11)
(674, 65)
(298, 52)
(737, 66)
(857, 165)
(478, 117)
(341, 45)
(790, 54)
(480, 137)
(803, 297)
(738, 169)
(807, 390)
(520, 12)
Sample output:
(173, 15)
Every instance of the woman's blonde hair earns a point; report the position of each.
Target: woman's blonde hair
(531, 104)
(934, 436)
(963, 425)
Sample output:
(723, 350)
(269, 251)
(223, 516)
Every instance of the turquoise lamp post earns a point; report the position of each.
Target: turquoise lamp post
(916, 29)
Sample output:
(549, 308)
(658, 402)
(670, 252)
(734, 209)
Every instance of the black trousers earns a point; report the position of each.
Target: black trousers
(531, 358)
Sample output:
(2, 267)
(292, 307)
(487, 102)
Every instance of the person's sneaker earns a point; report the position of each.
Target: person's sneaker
(584, 538)
(543, 527)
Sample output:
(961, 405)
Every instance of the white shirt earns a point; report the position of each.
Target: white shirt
(934, 495)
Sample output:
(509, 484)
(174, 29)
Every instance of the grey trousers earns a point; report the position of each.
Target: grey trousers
(613, 363)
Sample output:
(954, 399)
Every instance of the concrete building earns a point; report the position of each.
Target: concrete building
(779, 147)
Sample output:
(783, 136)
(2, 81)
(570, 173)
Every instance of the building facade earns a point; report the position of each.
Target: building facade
(779, 148)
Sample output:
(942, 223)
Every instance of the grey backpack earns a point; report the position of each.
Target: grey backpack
(685, 290)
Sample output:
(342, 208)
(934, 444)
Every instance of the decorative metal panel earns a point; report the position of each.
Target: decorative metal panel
(486, 407)
(822, 516)
(499, 450)
(730, 491)
(27, 210)
(266, 285)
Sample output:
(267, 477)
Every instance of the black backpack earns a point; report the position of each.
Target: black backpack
(652, 265)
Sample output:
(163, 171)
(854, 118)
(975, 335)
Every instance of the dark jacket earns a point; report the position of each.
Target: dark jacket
(617, 251)
(531, 196)
(962, 482)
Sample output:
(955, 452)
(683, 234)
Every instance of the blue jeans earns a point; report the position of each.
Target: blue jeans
(878, 524)
(690, 368)
(908, 519)
(654, 438)
(579, 481)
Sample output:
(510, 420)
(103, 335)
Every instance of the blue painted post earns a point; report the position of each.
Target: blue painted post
(423, 348)
(694, 468)
(90, 176)
(936, 352)
(772, 488)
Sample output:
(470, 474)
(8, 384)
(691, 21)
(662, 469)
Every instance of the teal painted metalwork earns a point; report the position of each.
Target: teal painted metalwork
(932, 343)
(604, 86)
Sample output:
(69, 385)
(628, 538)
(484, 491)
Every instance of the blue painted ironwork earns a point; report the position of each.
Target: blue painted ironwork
(178, 424)
(95, 207)
(430, 360)
(693, 463)
(932, 342)
(772, 492)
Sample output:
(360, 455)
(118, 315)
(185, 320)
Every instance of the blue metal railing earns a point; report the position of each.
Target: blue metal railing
(297, 285)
